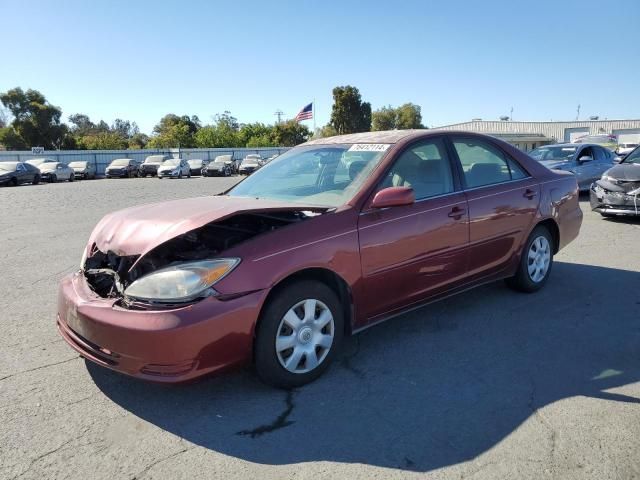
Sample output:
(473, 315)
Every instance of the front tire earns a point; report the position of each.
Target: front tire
(536, 262)
(71, 178)
(298, 335)
(36, 180)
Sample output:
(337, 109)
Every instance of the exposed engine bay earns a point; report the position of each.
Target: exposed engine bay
(109, 274)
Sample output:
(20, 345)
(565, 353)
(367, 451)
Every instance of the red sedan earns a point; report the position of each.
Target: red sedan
(328, 239)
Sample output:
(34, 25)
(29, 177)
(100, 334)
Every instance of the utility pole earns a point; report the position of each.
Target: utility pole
(279, 113)
(511, 114)
(578, 113)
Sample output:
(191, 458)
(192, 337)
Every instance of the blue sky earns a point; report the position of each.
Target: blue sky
(139, 60)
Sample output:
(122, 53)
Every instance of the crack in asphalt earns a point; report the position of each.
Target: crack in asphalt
(146, 469)
(46, 277)
(280, 422)
(40, 367)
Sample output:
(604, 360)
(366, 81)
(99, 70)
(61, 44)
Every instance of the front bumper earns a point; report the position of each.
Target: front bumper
(247, 170)
(148, 170)
(214, 173)
(165, 346)
(116, 173)
(613, 203)
(168, 174)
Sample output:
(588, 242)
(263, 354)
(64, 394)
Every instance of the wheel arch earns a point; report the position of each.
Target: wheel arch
(551, 225)
(323, 275)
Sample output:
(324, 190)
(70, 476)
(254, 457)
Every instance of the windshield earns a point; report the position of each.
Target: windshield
(37, 161)
(78, 164)
(325, 175)
(195, 161)
(121, 162)
(598, 139)
(8, 166)
(49, 165)
(633, 157)
(153, 159)
(172, 162)
(222, 159)
(553, 153)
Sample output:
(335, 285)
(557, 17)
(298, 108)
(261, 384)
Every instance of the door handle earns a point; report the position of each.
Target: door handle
(457, 212)
(529, 193)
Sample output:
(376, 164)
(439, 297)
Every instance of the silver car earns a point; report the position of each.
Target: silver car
(54, 171)
(586, 161)
(174, 168)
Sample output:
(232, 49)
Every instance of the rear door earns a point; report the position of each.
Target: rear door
(412, 252)
(503, 201)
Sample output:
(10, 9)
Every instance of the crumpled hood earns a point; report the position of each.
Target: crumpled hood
(627, 172)
(556, 164)
(138, 230)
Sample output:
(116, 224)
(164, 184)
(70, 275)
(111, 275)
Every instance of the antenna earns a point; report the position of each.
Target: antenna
(578, 112)
(279, 113)
(511, 114)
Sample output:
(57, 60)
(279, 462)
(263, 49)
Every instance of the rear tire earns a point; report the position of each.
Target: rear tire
(13, 182)
(288, 356)
(536, 262)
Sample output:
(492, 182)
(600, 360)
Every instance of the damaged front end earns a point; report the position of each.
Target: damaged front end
(183, 269)
(615, 197)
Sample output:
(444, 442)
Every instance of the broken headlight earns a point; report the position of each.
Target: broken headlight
(181, 282)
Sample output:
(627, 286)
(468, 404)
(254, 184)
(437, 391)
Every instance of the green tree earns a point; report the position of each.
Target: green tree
(174, 131)
(103, 141)
(10, 140)
(349, 113)
(409, 116)
(386, 118)
(290, 133)
(403, 117)
(138, 141)
(35, 121)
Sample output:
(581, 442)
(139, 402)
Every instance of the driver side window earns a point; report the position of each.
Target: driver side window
(585, 152)
(425, 167)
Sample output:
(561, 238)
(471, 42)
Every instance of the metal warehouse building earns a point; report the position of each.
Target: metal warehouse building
(529, 135)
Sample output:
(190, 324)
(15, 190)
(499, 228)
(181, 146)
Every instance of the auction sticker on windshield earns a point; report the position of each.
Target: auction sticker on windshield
(369, 147)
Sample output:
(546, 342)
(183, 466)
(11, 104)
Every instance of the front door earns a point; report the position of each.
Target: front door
(411, 252)
(503, 201)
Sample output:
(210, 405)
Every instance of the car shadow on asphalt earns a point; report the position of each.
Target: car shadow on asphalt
(429, 389)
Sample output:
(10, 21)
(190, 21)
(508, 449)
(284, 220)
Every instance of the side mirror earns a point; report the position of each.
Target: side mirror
(585, 159)
(393, 197)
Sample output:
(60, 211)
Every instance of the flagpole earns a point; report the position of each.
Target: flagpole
(314, 116)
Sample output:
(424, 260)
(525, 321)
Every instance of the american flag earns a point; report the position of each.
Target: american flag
(306, 113)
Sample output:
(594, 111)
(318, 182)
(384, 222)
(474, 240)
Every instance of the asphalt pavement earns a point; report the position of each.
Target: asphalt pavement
(489, 384)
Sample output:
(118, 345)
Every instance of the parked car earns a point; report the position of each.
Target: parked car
(196, 165)
(250, 164)
(83, 169)
(222, 165)
(36, 162)
(277, 270)
(151, 164)
(17, 173)
(268, 159)
(54, 171)
(586, 161)
(122, 168)
(617, 193)
(604, 140)
(174, 168)
(625, 149)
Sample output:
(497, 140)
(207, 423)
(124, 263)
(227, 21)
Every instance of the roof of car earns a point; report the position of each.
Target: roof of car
(386, 136)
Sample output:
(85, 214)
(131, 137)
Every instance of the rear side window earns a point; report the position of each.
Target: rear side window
(483, 164)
